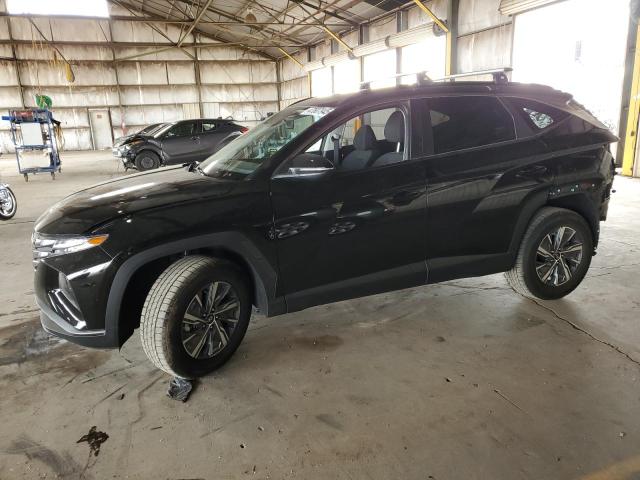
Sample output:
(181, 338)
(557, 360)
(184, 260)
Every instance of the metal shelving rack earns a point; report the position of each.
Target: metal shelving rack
(44, 118)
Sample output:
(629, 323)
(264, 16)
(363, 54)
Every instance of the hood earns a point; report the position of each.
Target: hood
(85, 210)
(122, 140)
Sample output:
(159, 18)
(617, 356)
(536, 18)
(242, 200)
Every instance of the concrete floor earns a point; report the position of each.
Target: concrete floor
(459, 380)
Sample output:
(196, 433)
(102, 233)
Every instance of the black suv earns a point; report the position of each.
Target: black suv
(177, 143)
(329, 199)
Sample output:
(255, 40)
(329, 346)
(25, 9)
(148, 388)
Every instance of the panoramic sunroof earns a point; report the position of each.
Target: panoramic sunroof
(84, 8)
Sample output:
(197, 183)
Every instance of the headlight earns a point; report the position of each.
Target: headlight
(53, 245)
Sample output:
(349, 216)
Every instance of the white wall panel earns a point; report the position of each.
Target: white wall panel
(476, 15)
(382, 28)
(44, 52)
(242, 112)
(417, 17)
(485, 50)
(151, 114)
(39, 73)
(74, 96)
(225, 53)
(181, 73)
(172, 54)
(71, 117)
(124, 31)
(237, 72)
(78, 30)
(142, 73)
(149, 95)
(290, 69)
(4, 31)
(239, 93)
(9, 97)
(8, 75)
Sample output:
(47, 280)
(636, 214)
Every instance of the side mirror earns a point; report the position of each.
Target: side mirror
(307, 165)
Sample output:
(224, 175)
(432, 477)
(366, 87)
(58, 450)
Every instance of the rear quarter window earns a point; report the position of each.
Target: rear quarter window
(537, 116)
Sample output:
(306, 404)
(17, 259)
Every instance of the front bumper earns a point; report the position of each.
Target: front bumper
(74, 308)
(54, 324)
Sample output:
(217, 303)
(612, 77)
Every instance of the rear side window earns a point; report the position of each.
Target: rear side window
(538, 116)
(467, 122)
(209, 126)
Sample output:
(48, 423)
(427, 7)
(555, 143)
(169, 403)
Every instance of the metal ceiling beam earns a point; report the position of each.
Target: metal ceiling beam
(144, 44)
(212, 36)
(240, 20)
(195, 23)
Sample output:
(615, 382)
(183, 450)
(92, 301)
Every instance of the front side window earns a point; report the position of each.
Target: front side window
(244, 155)
(371, 139)
(181, 130)
(208, 126)
(468, 122)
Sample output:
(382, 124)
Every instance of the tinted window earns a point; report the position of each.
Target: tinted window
(209, 126)
(467, 122)
(182, 129)
(537, 116)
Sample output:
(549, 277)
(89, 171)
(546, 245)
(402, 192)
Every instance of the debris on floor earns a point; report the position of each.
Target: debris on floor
(95, 439)
(179, 389)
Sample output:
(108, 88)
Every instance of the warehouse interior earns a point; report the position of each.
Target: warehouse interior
(462, 379)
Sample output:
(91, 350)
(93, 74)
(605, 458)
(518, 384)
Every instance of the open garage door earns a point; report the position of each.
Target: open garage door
(582, 56)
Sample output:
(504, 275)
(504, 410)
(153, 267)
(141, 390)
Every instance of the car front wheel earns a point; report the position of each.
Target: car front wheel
(554, 255)
(147, 161)
(195, 316)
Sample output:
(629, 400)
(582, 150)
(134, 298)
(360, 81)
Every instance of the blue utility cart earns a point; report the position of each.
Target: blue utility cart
(35, 130)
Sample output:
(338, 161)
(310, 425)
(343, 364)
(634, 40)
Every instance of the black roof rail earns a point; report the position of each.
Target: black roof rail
(499, 77)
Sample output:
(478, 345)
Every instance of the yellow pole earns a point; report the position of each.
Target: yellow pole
(337, 39)
(631, 137)
(433, 16)
(300, 65)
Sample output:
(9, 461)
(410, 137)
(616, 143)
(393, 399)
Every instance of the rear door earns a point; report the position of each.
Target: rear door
(479, 180)
(181, 143)
(212, 132)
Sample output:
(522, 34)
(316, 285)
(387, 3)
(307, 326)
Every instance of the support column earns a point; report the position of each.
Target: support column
(631, 135)
(451, 66)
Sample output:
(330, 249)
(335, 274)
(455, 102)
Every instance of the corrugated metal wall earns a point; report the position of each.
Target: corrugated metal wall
(147, 89)
(163, 86)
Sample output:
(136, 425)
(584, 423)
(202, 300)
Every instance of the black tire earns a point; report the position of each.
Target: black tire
(164, 315)
(526, 276)
(9, 211)
(147, 160)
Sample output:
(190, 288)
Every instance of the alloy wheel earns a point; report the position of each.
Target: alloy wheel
(558, 256)
(7, 203)
(210, 320)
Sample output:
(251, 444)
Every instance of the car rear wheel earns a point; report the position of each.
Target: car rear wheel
(195, 316)
(147, 161)
(554, 255)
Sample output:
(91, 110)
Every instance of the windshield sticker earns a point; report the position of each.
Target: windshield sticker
(317, 111)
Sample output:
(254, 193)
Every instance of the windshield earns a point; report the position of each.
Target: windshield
(161, 129)
(245, 154)
(151, 129)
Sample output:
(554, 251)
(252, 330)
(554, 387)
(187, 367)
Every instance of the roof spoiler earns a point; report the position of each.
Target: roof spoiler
(499, 77)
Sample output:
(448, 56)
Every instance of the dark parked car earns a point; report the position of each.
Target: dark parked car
(118, 142)
(180, 142)
(327, 200)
